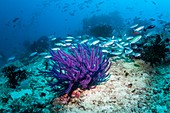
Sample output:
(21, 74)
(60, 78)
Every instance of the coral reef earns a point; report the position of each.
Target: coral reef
(156, 52)
(113, 18)
(101, 31)
(83, 68)
(39, 46)
(135, 92)
(14, 75)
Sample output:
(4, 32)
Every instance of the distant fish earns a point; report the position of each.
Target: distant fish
(68, 40)
(128, 51)
(48, 56)
(55, 49)
(149, 27)
(126, 44)
(84, 41)
(68, 44)
(152, 19)
(16, 19)
(113, 37)
(116, 53)
(102, 39)
(43, 53)
(105, 51)
(122, 43)
(53, 38)
(129, 38)
(33, 54)
(79, 37)
(139, 28)
(100, 2)
(133, 26)
(95, 42)
(59, 44)
(137, 54)
(11, 58)
(120, 46)
(70, 37)
(108, 43)
(135, 39)
(153, 2)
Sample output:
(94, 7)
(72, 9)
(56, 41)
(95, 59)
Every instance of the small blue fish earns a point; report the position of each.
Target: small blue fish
(11, 58)
(33, 54)
(116, 53)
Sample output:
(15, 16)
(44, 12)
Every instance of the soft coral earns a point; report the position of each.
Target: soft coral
(83, 68)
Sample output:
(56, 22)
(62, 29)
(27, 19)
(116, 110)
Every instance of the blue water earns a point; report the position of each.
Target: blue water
(24, 21)
(62, 17)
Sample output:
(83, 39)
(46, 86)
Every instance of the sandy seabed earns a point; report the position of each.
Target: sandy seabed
(133, 87)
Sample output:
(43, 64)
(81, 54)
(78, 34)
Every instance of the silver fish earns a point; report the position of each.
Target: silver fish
(119, 39)
(105, 51)
(139, 28)
(66, 44)
(43, 54)
(79, 37)
(48, 56)
(59, 44)
(11, 58)
(122, 43)
(137, 54)
(120, 46)
(53, 38)
(133, 26)
(128, 51)
(116, 53)
(84, 41)
(68, 40)
(108, 43)
(129, 38)
(126, 44)
(55, 49)
(33, 54)
(135, 39)
(95, 42)
(113, 37)
(102, 39)
(70, 37)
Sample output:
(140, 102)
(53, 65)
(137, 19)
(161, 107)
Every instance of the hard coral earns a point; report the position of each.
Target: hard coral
(83, 68)
(101, 31)
(156, 52)
(14, 75)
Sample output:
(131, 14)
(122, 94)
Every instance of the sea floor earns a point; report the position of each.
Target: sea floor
(133, 87)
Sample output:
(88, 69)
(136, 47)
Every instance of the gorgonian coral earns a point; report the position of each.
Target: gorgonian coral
(82, 68)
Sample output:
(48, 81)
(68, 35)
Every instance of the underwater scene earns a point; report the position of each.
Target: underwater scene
(84, 56)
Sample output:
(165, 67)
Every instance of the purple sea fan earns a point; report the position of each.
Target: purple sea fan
(84, 67)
